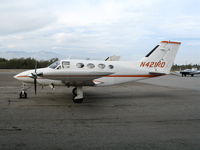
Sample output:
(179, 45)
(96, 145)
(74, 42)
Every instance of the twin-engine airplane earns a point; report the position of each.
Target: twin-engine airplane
(79, 73)
(190, 72)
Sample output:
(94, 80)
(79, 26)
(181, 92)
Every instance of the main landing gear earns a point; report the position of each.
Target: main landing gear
(77, 94)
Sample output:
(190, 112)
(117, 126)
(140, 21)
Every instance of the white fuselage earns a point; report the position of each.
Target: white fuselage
(88, 73)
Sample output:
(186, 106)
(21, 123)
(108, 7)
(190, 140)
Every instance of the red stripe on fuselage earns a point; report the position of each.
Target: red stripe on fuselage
(132, 75)
(28, 76)
(21, 76)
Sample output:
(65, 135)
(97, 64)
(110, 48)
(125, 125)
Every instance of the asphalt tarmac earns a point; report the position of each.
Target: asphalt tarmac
(156, 114)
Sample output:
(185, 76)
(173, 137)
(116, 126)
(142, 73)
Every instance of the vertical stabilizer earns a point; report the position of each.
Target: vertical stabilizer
(161, 58)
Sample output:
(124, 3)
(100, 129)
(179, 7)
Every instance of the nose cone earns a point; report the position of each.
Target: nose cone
(21, 76)
(24, 76)
(17, 76)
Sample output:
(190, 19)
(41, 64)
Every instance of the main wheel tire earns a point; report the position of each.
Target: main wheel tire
(23, 94)
(74, 91)
(77, 100)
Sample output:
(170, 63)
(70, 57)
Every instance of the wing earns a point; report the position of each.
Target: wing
(74, 77)
(197, 72)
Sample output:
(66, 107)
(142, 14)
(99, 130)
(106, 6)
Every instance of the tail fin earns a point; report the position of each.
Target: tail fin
(161, 58)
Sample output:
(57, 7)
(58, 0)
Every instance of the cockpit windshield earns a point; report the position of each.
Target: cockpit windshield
(54, 65)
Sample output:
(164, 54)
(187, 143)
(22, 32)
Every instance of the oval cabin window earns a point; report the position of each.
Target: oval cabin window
(101, 66)
(90, 65)
(79, 65)
(110, 66)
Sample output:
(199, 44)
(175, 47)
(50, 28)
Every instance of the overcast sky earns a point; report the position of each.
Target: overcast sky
(100, 28)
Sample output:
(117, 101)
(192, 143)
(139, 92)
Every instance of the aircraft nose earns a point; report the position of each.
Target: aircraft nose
(16, 76)
(20, 76)
(23, 76)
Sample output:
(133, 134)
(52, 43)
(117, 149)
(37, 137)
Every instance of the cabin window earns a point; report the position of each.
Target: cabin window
(79, 65)
(101, 66)
(54, 65)
(90, 65)
(66, 64)
(110, 66)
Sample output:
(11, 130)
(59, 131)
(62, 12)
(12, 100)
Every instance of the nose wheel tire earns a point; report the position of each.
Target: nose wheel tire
(23, 95)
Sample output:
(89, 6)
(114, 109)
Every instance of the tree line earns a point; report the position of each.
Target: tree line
(24, 63)
(176, 67)
(29, 63)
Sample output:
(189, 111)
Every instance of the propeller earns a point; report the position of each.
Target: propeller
(35, 75)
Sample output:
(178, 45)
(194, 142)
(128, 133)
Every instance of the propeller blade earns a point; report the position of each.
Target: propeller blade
(35, 78)
(35, 85)
(36, 67)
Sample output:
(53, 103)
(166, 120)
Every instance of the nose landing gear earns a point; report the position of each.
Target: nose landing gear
(23, 94)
